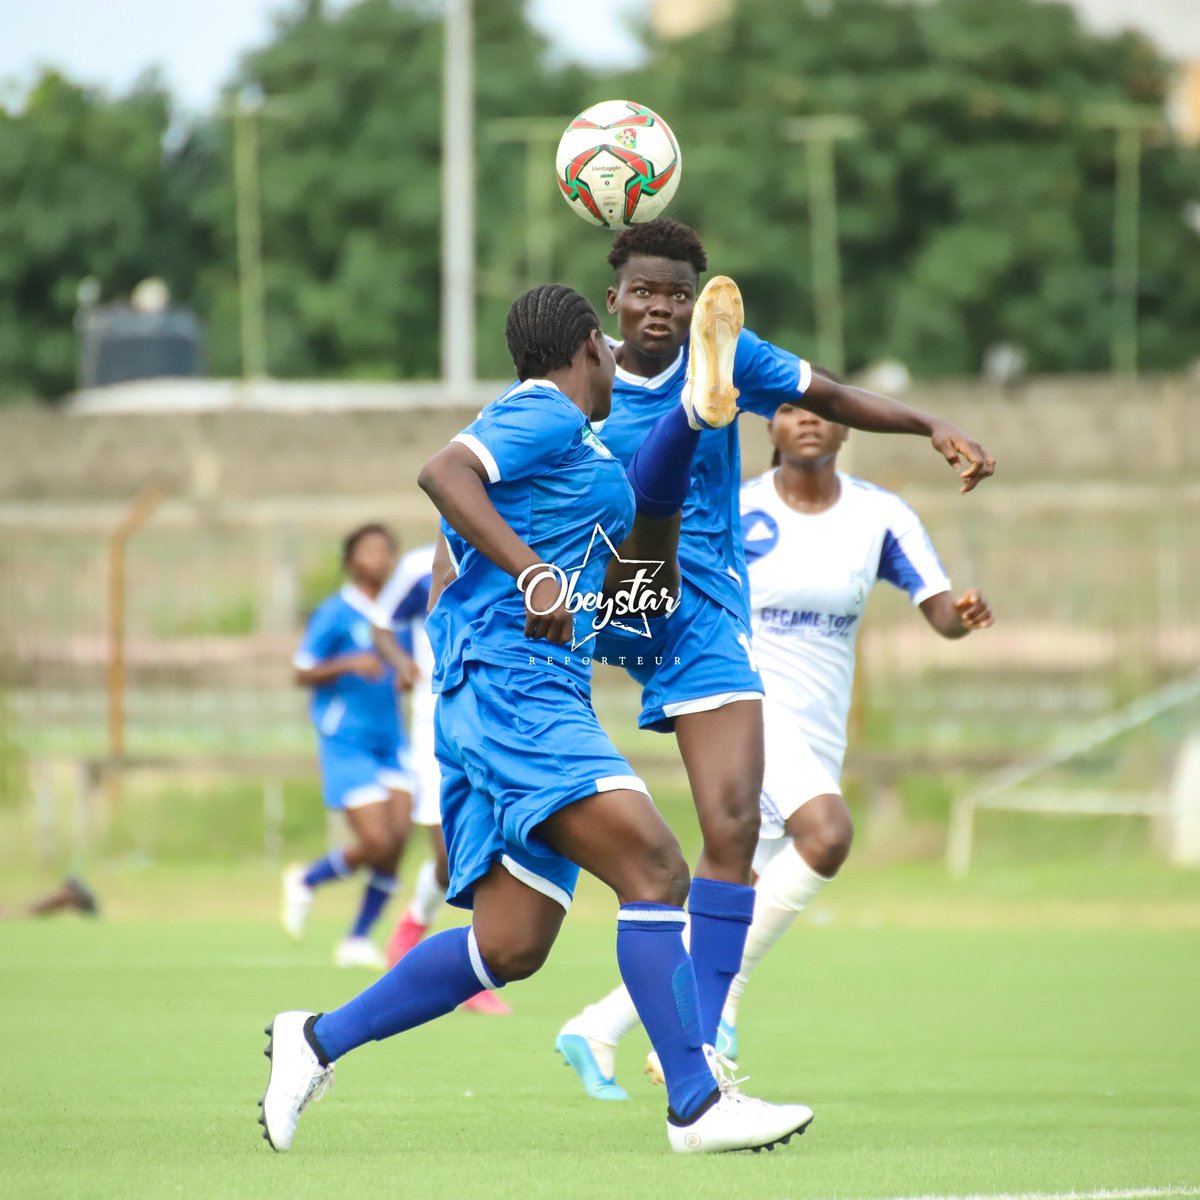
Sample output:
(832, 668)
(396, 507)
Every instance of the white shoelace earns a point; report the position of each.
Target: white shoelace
(725, 1069)
(319, 1086)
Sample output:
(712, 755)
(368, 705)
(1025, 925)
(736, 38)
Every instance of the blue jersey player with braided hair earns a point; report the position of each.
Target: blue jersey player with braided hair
(533, 504)
(697, 671)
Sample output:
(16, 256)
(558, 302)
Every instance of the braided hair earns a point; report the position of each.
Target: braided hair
(545, 327)
(663, 238)
(825, 373)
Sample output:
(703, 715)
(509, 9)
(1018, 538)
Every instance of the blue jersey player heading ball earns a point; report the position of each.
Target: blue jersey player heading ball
(532, 787)
(697, 671)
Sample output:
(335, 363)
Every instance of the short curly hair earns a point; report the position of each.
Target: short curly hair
(663, 238)
(351, 540)
(545, 327)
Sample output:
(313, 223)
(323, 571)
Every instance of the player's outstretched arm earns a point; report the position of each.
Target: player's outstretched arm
(873, 413)
(454, 480)
(956, 617)
(365, 663)
(392, 653)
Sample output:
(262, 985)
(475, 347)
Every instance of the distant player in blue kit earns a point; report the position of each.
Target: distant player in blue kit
(360, 742)
(532, 787)
(697, 672)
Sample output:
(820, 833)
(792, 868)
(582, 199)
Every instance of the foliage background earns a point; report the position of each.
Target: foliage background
(977, 208)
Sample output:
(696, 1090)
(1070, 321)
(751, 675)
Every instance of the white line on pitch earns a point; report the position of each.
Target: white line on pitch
(1104, 1194)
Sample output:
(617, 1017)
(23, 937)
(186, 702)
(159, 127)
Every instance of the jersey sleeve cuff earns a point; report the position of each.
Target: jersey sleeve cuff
(482, 453)
(805, 376)
(303, 661)
(930, 590)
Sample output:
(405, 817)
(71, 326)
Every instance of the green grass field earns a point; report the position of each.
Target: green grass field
(1027, 1031)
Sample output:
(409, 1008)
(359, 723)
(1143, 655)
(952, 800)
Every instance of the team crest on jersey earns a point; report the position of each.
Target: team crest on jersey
(627, 137)
(596, 444)
(860, 585)
(760, 533)
(636, 599)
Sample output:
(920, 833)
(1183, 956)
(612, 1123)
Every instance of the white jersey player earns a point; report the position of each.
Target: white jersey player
(816, 542)
(399, 614)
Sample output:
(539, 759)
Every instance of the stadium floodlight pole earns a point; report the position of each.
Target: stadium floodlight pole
(819, 134)
(539, 137)
(458, 202)
(1130, 126)
(248, 207)
(245, 110)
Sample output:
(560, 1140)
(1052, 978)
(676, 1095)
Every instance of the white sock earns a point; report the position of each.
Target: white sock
(428, 895)
(604, 1024)
(784, 889)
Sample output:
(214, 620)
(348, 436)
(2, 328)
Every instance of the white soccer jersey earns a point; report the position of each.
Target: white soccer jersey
(810, 575)
(401, 607)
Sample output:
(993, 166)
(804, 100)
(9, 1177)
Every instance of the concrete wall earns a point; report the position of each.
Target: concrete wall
(1054, 431)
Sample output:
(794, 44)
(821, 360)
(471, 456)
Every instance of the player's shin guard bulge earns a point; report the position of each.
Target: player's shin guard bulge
(709, 396)
(658, 973)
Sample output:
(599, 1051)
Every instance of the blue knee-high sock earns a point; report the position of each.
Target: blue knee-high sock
(661, 471)
(376, 894)
(658, 973)
(720, 919)
(432, 979)
(332, 866)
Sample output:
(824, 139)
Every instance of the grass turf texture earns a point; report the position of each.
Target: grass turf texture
(979, 1053)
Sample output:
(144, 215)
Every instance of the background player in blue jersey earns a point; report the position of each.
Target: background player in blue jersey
(532, 788)
(360, 742)
(697, 673)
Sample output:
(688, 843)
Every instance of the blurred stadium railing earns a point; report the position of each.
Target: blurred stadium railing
(1094, 592)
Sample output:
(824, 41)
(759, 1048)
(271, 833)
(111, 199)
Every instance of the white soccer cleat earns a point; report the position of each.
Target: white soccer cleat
(709, 397)
(737, 1122)
(296, 1078)
(297, 900)
(359, 952)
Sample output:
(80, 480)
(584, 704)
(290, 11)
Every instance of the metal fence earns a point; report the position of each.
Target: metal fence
(1094, 591)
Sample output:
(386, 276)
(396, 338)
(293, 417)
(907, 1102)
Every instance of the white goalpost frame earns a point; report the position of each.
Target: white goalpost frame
(997, 793)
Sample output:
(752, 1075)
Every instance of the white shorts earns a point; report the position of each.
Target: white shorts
(795, 770)
(427, 776)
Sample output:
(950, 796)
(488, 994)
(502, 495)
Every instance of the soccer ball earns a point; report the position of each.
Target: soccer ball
(618, 164)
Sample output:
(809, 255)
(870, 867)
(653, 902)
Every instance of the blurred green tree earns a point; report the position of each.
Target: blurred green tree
(350, 173)
(86, 191)
(977, 208)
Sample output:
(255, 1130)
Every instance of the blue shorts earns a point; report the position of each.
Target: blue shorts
(353, 775)
(514, 747)
(697, 659)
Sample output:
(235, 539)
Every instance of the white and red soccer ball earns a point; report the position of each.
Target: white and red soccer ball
(618, 164)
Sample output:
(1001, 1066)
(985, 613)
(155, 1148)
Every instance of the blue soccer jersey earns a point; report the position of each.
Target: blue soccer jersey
(710, 544)
(350, 708)
(559, 488)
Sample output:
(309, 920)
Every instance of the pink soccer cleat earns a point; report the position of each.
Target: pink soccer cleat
(487, 1003)
(404, 937)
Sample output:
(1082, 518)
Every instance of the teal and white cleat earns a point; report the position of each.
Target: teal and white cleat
(727, 1042)
(580, 1053)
